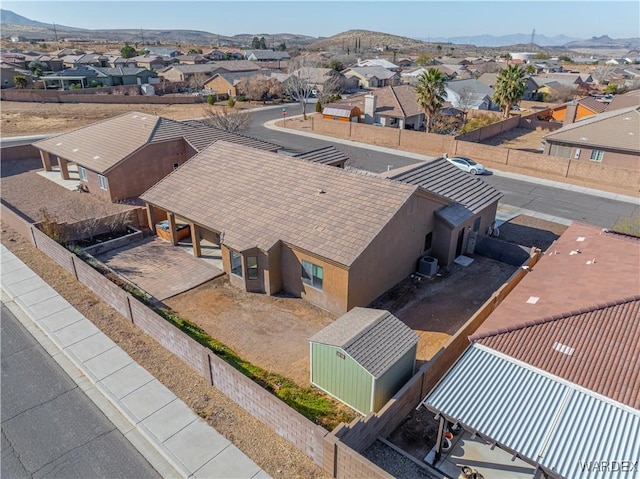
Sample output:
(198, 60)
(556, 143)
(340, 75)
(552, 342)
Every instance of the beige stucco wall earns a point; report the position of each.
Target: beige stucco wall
(394, 253)
(332, 297)
(145, 168)
(220, 86)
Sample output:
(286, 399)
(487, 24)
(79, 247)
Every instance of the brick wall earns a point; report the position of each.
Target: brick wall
(587, 170)
(489, 131)
(103, 288)
(375, 135)
(483, 153)
(81, 96)
(55, 251)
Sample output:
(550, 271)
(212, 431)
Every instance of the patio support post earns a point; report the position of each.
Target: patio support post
(152, 226)
(64, 168)
(172, 228)
(46, 160)
(441, 425)
(195, 240)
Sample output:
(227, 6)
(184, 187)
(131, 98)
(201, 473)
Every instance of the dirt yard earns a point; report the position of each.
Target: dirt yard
(270, 331)
(25, 118)
(435, 308)
(519, 139)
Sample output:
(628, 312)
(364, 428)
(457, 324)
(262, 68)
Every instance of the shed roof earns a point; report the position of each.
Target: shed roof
(546, 420)
(378, 72)
(617, 130)
(441, 177)
(100, 146)
(328, 212)
(374, 338)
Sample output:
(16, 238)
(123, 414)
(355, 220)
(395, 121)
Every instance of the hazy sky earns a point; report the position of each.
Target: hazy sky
(426, 19)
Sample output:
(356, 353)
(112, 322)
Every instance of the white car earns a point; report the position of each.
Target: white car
(467, 164)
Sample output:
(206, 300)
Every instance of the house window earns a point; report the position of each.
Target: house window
(476, 224)
(236, 263)
(252, 267)
(596, 155)
(83, 173)
(312, 274)
(103, 182)
(427, 241)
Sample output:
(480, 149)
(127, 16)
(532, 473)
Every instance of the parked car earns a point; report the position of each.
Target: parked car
(467, 164)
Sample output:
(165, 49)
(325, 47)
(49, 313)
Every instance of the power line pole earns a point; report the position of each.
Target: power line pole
(55, 32)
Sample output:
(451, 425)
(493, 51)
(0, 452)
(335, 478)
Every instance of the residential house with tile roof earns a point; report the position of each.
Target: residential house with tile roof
(363, 358)
(373, 76)
(472, 209)
(552, 374)
(380, 62)
(334, 237)
(122, 157)
(469, 94)
(182, 73)
(225, 83)
(610, 138)
(577, 110)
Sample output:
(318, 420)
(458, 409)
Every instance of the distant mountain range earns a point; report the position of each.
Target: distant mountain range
(506, 40)
(17, 25)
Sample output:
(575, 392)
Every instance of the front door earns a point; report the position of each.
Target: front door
(460, 241)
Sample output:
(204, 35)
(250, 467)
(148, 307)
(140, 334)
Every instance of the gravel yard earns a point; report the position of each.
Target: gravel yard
(395, 463)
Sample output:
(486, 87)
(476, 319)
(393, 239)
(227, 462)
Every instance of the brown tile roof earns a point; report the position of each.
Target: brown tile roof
(598, 349)
(627, 100)
(397, 101)
(618, 130)
(327, 155)
(593, 104)
(442, 178)
(256, 198)
(101, 146)
(605, 270)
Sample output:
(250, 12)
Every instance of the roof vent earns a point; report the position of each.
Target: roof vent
(321, 192)
(563, 348)
(96, 157)
(581, 238)
(574, 252)
(75, 149)
(591, 261)
(533, 299)
(58, 144)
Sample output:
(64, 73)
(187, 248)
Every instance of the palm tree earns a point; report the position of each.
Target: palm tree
(430, 90)
(509, 88)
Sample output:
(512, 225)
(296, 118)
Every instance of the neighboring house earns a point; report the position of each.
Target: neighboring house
(337, 238)
(627, 100)
(149, 61)
(378, 62)
(326, 155)
(577, 110)
(372, 77)
(182, 73)
(8, 72)
(191, 59)
(161, 51)
(531, 87)
(266, 56)
(363, 358)
(469, 94)
(327, 80)
(406, 62)
(225, 83)
(51, 63)
(122, 157)
(412, 75)
(551, 375)
(610, 138)
(471, 210)
(127, 75)
(82, 76)
(395, 107)
(341, 112)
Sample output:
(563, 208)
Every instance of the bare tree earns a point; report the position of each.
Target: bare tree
(231, 121)
(299, 85)
(259, 88)
(602, 74)
(196, 81)
(465, 101)
(562, 93)
(331, 87)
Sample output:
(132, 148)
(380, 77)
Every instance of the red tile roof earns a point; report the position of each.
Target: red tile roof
(585, 267)
(597, 349)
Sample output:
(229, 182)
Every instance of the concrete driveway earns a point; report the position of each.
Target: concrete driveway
(160, 269)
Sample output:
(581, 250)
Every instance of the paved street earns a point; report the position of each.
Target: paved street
(50, 428)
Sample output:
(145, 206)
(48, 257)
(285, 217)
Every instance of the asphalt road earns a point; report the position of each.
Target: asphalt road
(50, 428)
(560, 202)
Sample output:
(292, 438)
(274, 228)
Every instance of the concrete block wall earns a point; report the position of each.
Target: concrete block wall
(536, 162)
(482, 153)
(375, 135)
(20, 152)
(588, 170)
(15, 221)
(55, 251)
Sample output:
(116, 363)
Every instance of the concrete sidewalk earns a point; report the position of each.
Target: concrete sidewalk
(175, 441)
(516, 176)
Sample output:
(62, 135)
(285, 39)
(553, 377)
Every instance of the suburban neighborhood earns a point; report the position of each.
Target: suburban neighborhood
(357, 256)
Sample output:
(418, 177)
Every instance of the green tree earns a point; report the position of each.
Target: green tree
(318, 107)
(431, 93)
(128, 51)
(211, 99)
(263, 44)
(336, 65)
(255, 43)
(611, 88)
(282, 47)
(36, 67)
(20, 82)
(564, 58)
(195, 51)
(542, 56)
(424, 59)
(509, 88)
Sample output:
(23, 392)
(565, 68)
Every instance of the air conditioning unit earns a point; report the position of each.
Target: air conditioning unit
(428, 266)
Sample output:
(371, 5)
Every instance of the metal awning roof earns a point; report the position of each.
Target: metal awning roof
(547, 421)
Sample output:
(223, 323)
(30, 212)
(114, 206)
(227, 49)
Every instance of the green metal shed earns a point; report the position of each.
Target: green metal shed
(363, 358)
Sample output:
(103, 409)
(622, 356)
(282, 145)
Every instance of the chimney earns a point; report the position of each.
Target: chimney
(370, 101)
(572, 112)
